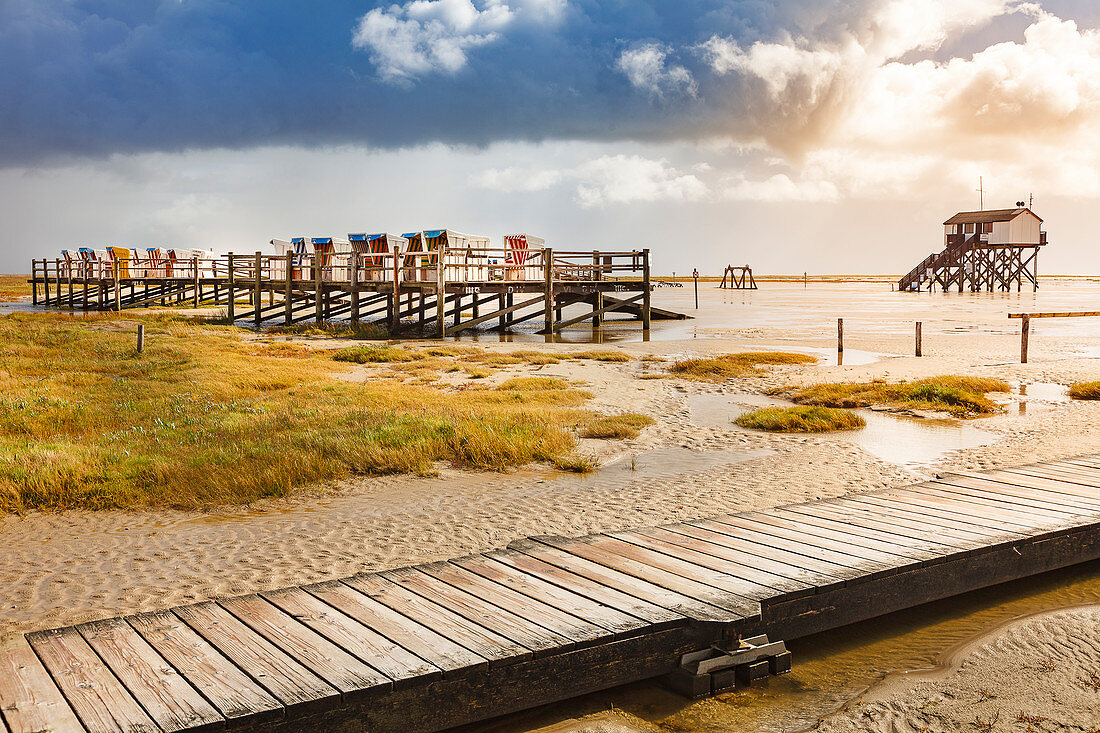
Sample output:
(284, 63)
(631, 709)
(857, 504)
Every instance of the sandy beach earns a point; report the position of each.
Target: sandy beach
(76, 566)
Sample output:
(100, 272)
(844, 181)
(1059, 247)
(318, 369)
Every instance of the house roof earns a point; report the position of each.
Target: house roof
(982, 217)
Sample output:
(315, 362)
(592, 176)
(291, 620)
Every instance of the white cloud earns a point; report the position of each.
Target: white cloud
(604, 181)
(646, 68)
(516, 179)
(406, 42)
(780, 188)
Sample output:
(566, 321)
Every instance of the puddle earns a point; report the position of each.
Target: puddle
(905, 441)
(829, 668)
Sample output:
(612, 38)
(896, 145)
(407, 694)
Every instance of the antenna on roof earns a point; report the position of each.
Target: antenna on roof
(1030, 200)
(981, 195)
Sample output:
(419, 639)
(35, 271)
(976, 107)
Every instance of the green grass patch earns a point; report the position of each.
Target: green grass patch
(627, 425)
(1085, 390)
(728, 366)
(800, 419)
(596, 355)
(575, 463)
(958, 395)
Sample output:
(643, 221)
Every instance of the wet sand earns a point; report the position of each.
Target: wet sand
(77, 566)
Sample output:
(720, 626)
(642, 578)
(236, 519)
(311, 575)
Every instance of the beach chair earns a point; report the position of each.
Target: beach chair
(518, 249)
(424, 246)
(120, 258)
(302, 248)
(341, 260)
(138, 264)
(156, 267)
(90, 262)
(278, 265)
(67, 268)
(376, 252)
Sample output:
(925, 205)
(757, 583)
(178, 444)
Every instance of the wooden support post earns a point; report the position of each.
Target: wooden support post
(501, 321)
(46, 280)
(34, 282)
(1025, 330)
(919, 339)
(441, 297)
(257, 292)
(69, 274)
(395, 302)
(353, 283)
(85, 293)
(548, 289)
(288, 292)
(646, 321)
(695, 275)
(197, 282)
(232, 289)
(318, 290)
(840, 335)
(141, 338)
(118, 286)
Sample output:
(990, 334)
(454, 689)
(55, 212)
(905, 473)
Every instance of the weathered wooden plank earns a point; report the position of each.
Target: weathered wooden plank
(750, 538)
(654, 567)
(677, 602)
(220, 681)
(734, 549)
(166, 696)
(417, 638)
(1003, 498)
(948, 510)
(654, 615)
(280, 674)
(392, 660)
(101, 702)
(1058, 490)
(935, 517)
(898, 548)
(1082, 478)
(532, 627)
(326, 660)
(695, 551)
(817, 533)
(488, 644)
(998, 506)
(609, 620)
(766, 531)
(30, 702)
(932, 539)
(1022, 495)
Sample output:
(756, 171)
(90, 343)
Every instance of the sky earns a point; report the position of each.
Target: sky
(791, 135)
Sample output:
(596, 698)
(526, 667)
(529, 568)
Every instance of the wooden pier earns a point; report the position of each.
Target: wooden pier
(437, 293)
(428, 647)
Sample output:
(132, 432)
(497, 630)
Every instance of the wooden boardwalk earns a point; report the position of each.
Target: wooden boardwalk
(427, 647)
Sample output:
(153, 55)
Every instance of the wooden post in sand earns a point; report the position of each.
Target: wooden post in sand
(441, 296)
(1025, 328)
(548, 290)
(318, 289)
(840, 335)
(141, 338)
(646, 293)
(918, 339)
(288, 293)
(353, 285)
(257, 292)
(232, 289)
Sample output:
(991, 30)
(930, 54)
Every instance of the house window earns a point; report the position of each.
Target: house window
(987, 227)
(968, 228)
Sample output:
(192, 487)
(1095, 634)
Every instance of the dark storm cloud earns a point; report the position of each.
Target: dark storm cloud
(95, 77)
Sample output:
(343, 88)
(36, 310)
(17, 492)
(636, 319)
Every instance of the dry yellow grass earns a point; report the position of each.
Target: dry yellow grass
(205, 418)
(1085, 390)
(800, 419)
(626, 425)
(14, 287)
(727, 366)
(961, 396)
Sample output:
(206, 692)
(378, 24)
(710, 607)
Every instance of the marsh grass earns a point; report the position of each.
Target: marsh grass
(376, 355)
(576, 463)
(1085, 390)
(205, 418)
(961, 396)
(360, 331)
(627, 425)
(14, 287)
(800, 419)
(727, 366)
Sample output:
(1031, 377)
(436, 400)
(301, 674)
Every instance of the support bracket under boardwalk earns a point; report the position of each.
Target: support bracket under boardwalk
(721, 666)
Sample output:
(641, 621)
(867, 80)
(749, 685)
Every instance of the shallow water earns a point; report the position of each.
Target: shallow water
(833, 667)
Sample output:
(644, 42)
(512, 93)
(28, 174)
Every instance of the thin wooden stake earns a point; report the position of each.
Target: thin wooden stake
(1025, 329)
(141, 338)
(646, 290)
(232, 290)
(840, 335)
(918, 339)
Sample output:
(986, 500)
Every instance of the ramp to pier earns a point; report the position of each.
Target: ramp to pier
(428, 647)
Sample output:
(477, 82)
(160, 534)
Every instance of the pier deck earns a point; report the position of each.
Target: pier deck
(427, 647)
(438, 293)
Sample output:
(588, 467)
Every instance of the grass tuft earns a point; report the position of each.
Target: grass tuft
(627, 425)
(1085, 390)
(728, 366)
(800, 419)
(575, 463)
(596, 355)
(528, 384)
(958, 395)
(376, 355)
